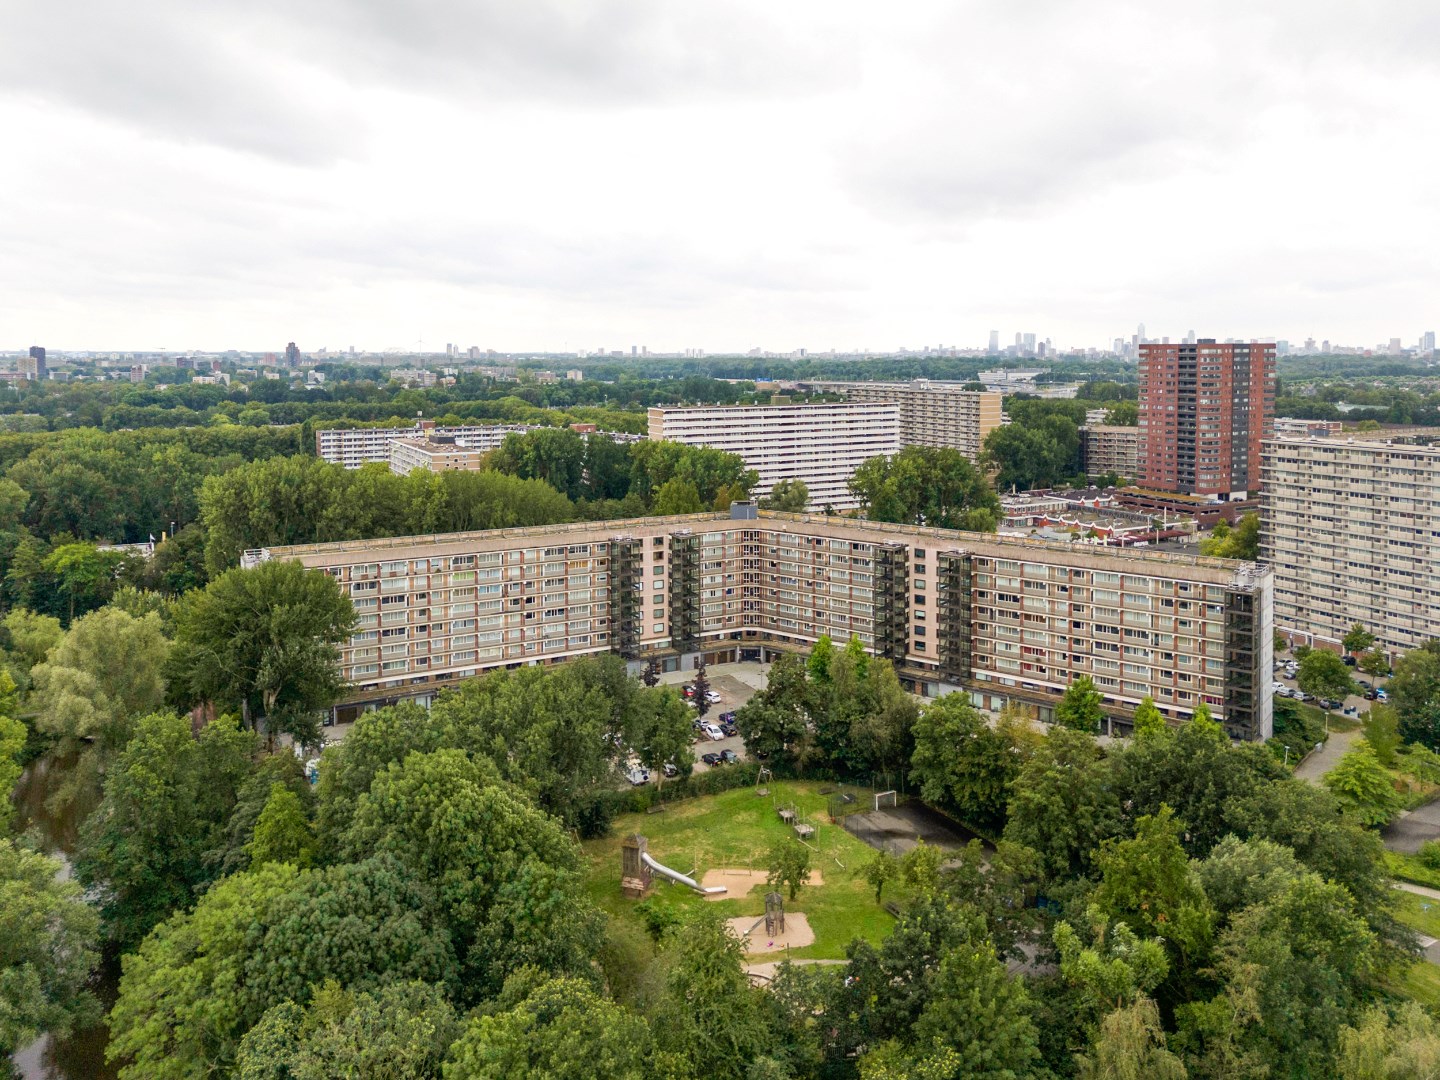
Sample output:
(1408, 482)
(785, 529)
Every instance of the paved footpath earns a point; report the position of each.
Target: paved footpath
(1323, 760)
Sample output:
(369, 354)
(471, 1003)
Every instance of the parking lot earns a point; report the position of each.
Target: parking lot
(1354, 706)
(736, 684)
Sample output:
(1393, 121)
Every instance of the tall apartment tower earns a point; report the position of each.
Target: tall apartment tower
(1204, 407)
(292, 354)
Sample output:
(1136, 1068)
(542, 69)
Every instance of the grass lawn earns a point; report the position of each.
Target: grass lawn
(1420, 981)
(1420, 912)
(1410, 868)
(735, 830)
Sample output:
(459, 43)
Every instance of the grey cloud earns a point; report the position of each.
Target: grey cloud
(281, 78)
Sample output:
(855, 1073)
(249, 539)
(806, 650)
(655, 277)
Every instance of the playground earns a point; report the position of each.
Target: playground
(697, 847)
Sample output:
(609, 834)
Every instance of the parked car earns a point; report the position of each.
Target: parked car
(688, 690)
(1348, 661)
(1369, 695)
(710, 759)
(670, 770)
(1330, 703)
(711, 731)
(1381, 695)
(637, 777)
(712, 697)
(727, 718)
(730, 757)
(729, 729)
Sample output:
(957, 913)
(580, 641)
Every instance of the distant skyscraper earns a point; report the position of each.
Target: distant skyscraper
(1427, 341)
(37, 361)
(1140, 333)
(1029, 344)
(994, 348)
(292, 354)
(1203, 410)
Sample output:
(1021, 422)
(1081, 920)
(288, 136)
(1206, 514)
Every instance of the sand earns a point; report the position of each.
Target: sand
(740, 882)
(797, 934)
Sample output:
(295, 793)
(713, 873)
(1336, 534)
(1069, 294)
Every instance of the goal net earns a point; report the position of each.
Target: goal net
(884, 798)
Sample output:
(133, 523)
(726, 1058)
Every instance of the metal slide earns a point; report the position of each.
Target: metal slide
(675, 875)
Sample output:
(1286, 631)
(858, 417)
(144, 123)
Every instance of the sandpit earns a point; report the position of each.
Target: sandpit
(739, 882)
(797, 933)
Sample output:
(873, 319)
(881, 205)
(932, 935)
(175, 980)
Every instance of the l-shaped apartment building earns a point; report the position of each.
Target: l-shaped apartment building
(997, 618)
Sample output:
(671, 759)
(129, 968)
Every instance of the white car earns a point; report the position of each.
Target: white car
(712, 731)
(712, 697)
(637, 777)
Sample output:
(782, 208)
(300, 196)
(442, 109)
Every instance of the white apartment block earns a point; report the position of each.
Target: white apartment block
(931, 413)
(1351, 530)
(353, 447)
(997, 618)
(821, 444)
(433, 455)
(1107, 448)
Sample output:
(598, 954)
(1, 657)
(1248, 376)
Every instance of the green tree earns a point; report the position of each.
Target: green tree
(400, 1032)
(1117, 969)
(1415, 692)
(1149, 723)
(926, 485)
(880, 871)
(791, 496)
(963, 764)
(166, 799)
(105, 672)
(1240, 542)
(920, 867)
(85, 574)
(775, 722)
(1063, 803)
(265, 641)
(661, 730)
(1374, 662)
(30, 637)
(1363, 786)
(1323, 674)
(1130, 1045)
(1357, 639)
(231, 853)
(562, 1029)
(788, 864)
(1123, 414)
(1380, 1046)
(820, 659)
(1382, 733)
(1080, 707)
(1033, 451)
(13, 735)
(677, 496)
(282, 833)
(47, 950)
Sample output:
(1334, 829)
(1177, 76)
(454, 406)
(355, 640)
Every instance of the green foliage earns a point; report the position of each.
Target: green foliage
(677, 496)
(1429, 854)
(1382, 733)
(282, 833)
(47, 950)
(1357, 639)
(13, 735)
(920, 866)
(880, 871)
(1130, 1045)
(775, 722)
(562, 1029)
(1382, 1046)
(788, 866)
(1149, 721)
(1115, 971)
(1040, 447)
(1363, 786)
(265, 642)
(1323, 674)
(1079, 709)
(166, 800)
(1240, 542)
(1063, 803)
(399, 1032)
(1415, 693)
(231, 853)
(926, 485)
(963, 764)
(1374, 662)
(787, 495)
(85, 574)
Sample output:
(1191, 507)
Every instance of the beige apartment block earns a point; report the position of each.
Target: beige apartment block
(821, 444)
(433, 455)
(931, 413)
(997, 618)
(1106, 448)
(1351, 531)
(353, 447)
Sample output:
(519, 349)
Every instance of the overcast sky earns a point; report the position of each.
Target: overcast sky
(577, 174)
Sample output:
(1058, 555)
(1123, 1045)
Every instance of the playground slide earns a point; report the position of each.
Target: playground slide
(675, 875)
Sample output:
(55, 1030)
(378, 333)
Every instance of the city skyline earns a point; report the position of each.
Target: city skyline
(809, 176)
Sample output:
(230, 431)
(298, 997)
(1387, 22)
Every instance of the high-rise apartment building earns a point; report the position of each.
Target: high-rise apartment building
(353, 447)
(1351, 530)
(994, 347)
(1110, 449)
(1204, 409)
(292, 354)
(443, 454)
(821, 444)
(931, 413)
(32, 364)
(997, 618)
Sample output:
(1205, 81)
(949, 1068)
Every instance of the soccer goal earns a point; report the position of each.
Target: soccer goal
(884, 798)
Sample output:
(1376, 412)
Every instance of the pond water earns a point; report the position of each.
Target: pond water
(81, 1055)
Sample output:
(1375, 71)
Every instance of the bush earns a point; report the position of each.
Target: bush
(1429, 854)
(1295, 728)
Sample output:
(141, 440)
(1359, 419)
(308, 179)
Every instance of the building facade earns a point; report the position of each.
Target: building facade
(998, 618)
(1107, 448)
(821, 444)
(931, 413)
(1351, 530)
(1204, 409)
(433, 455)
(353, 447)
(1289, 427)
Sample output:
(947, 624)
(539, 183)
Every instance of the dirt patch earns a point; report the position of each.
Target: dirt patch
(797, 934)
(740, 882)
(736, 882)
